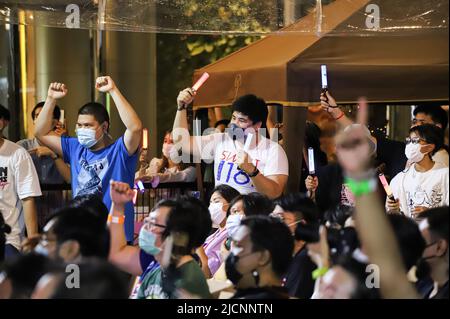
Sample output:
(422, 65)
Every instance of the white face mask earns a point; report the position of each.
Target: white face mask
(166, 149)
(413, 153)
(86, 137)
(233, 223)
(217, 213)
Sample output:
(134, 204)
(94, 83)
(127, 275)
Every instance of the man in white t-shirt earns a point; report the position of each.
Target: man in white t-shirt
(19, 184)
(243, 158)
(424, 184)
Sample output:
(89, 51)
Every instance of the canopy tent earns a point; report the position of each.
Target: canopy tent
(393, 64)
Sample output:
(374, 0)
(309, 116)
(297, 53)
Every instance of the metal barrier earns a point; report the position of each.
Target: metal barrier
(55, 196)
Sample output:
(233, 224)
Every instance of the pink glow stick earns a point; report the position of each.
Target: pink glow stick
(201, 81)
(135, 191)
(386, 186)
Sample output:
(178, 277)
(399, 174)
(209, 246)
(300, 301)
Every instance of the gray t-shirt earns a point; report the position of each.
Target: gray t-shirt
(45, 166)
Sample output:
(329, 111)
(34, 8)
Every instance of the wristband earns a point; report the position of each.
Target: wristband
(319, 272)
(361, 187)
(340, 116)
(116, 219)
(254, 173)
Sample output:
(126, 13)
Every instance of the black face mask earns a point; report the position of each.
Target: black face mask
(423, 269)
(233, 274)
(230, 269)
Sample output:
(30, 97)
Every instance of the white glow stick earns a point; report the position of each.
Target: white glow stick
(200, 82)
(61, 117)
(248, 142)
(324, 77)
(141, 186)
(145, 139)
(312, 168)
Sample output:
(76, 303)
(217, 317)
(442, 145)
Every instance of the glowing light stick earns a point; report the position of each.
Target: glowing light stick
(200, 82)
(324, 77)
(141, 186)
(248, 142)
(145, 139)
(312, 167)
(386, 186)
(61, 117)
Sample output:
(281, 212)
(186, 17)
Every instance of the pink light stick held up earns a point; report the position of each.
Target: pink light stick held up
(200, 82)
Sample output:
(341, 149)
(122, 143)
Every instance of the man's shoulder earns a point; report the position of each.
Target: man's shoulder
(13, 149)
(28, 143)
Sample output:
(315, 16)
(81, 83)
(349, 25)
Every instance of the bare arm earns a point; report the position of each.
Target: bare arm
(272, 186)
(125, 257)
(44, 121)
(130, 119)
(329, 105)
(180, 123)
(61, 166)
(63, 169)
(204, 259)
(372, 225)
(30, 216)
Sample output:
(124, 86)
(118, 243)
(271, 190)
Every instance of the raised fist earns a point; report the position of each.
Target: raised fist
(104, 84)
(57, 90)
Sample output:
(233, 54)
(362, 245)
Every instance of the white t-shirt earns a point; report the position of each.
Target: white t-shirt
(18, 180)
(268, 156)
(428, 189)
(441, 157)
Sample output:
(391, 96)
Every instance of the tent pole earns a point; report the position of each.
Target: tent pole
(294, 120)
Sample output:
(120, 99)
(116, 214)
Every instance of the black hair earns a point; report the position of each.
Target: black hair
(253, 107)
(312, 139)
(438, 220)
(189, 217)
(164, 203)
(97, 110)
(222, 122)
(87, 229)
(98, 280)
(271, 234)
(4, 229)
(4, 113)
(409, 239)
(254, 204)
(359, 273)
(56, 111)
(93, 203)
(436, 112)
(431, 134)
(301, 205)
(338, 215)
(24, 272)
(227, 192)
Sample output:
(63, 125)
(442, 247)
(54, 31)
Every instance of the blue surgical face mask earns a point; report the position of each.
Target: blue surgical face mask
(86, 137)
(233, 223)
(147, 242)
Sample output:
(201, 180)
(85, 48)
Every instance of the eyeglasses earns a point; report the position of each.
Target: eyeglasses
(413, 140)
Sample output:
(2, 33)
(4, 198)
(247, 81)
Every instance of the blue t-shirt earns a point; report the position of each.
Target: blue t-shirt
(92, 171)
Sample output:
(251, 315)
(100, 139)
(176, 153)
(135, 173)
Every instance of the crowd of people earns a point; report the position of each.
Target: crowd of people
(342, 235)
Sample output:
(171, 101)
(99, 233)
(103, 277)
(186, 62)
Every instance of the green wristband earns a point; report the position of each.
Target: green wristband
(319, 272)
(363, 187)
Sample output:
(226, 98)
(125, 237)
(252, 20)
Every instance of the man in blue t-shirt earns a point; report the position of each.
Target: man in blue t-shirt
(94, 157)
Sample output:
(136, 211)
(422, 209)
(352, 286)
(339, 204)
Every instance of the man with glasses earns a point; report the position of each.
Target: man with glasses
(424, 184)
